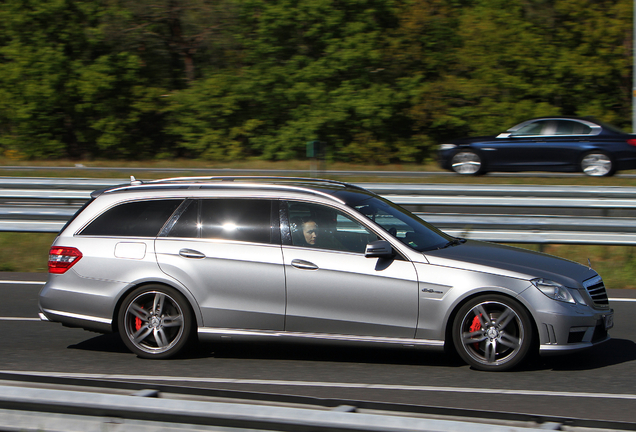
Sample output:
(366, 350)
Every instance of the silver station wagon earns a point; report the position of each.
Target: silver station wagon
(167, 262)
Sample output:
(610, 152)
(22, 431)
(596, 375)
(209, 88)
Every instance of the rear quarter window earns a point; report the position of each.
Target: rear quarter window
(133, 219)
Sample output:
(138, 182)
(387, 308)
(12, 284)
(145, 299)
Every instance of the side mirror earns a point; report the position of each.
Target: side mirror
(379, 249)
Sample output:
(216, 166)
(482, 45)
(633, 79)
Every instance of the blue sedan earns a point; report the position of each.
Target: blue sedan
(562, 144)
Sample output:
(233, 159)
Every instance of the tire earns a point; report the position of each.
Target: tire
(497, 343)
(155, 321)
(467, 162)
(597, 164)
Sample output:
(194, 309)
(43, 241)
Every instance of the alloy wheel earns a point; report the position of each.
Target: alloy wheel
(597, 164)
(492, 333)
(466, 162)
(155, 324)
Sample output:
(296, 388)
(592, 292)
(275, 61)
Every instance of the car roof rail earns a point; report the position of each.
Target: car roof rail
(201, 179)
(234, 178)
(180, 182)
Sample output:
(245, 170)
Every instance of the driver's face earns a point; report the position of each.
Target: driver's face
(309, 231)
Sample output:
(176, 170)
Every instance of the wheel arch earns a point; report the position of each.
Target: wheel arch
(191, 302)
(448, 329)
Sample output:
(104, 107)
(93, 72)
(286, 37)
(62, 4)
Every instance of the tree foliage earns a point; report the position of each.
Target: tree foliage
(377, 80)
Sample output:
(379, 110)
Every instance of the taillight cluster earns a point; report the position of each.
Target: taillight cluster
(63, 258)
(631, 142)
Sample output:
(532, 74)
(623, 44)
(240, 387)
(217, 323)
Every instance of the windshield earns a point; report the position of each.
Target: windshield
(403, 225)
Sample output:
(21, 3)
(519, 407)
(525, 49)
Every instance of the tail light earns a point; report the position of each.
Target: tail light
(63, 258)
(631, 142)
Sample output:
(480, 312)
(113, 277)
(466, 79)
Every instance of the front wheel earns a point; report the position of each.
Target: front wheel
(492, 333)
(155, 321)
(467, 162)
(597, 164)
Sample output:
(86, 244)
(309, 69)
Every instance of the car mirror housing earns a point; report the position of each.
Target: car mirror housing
(379, 249)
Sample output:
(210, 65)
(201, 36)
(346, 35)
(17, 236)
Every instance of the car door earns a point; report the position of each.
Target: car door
(227, 253)
(565, 147)
(521, 149)
(332, 288)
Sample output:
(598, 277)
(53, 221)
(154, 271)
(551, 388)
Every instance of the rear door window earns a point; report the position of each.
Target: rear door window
(133, 219)
(248, 220)
(569, 127)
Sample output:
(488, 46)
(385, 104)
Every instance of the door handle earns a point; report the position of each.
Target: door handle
(190, 253)
(304, 265)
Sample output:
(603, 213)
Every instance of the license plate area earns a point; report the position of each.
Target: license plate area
(608, 320)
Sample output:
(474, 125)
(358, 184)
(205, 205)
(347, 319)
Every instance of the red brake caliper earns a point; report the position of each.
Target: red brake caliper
(475, 326)
(138, 322)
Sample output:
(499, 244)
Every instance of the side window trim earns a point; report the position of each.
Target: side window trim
(285, 231)
(275, 221)
(176, 215)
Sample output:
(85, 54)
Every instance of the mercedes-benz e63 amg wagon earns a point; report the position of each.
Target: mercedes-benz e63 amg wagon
(167, 262)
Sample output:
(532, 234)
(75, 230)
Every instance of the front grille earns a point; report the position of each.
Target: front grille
(596, 289)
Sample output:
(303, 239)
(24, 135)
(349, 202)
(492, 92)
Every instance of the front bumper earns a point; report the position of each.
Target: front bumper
(565, 327)
(569, 334)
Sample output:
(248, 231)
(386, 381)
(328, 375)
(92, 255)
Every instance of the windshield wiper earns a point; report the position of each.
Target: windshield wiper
(454, 242)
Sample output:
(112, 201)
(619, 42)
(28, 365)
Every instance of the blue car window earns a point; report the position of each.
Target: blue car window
(569, 127)
(531, 129)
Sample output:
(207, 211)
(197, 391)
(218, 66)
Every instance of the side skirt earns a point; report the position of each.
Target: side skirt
(226, 334)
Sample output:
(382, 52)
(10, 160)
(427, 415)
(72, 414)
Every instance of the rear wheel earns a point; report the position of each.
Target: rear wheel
(597, 164)
(492, 333)
(467, 162)
(155, 321)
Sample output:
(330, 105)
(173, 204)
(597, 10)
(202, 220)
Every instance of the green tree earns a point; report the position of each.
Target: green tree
(517, 59)
(594, 61)
(67, 92)
(311, 70)
(176, 37)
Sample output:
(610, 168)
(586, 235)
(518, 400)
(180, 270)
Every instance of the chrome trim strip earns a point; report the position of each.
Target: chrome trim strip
(554, 349)
(79, 316)
(43, 317)
(592, 281)
(325, 336)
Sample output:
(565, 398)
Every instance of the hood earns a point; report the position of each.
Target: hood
(510, 261)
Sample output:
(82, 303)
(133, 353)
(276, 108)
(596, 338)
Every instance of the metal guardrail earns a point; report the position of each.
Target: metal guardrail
(311, 172)
(500, 213)
(24, 408)
(523, 214)
(55, 402)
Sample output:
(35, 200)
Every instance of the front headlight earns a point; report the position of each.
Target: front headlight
(554, 290)
(443, 147)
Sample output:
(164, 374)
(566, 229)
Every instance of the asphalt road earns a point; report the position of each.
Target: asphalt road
(597, 384)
